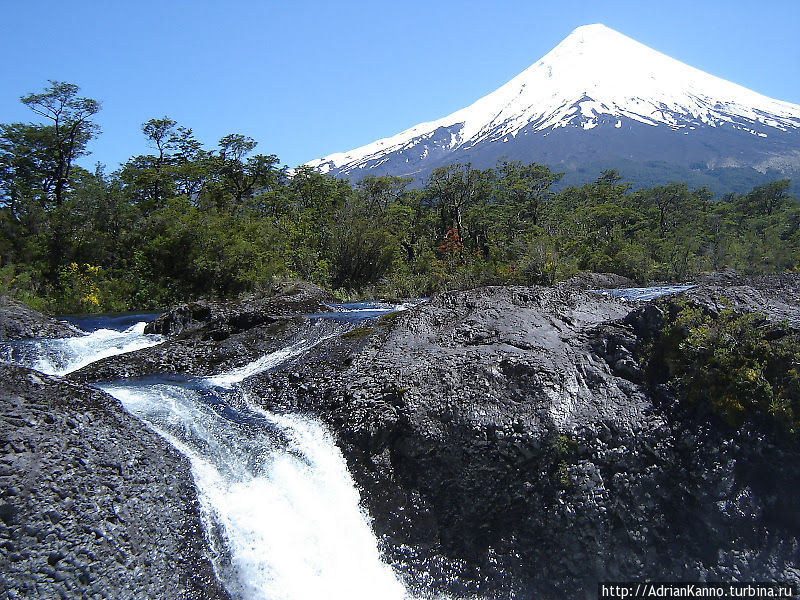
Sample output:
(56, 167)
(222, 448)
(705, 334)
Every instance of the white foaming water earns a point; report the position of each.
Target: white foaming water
(63, 355)
(266, 362)
(358, 311)
(281, 508)
(646, 293)
(282, 514)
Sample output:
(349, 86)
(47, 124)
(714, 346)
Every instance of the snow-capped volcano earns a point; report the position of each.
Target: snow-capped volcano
(598, 94)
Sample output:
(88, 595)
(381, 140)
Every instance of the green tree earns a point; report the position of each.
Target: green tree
(765, 200)
(453, 189)
(153, 178)
(27, 168)
(379, 193)
(70, 127)
(359, 245)
(678, 231)
(524, 188)
(161, 134)
(241, 177)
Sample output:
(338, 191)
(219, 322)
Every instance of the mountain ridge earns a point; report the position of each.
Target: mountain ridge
(595, 80)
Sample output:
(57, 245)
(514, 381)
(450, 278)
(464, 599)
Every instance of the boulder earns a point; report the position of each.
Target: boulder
(775, 296)
(205, 320)
(596, 281)
(20, 322)
(205, 357)
(208, 338)
(508, 441)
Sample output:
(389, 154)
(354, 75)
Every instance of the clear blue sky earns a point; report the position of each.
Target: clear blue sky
(306, 79)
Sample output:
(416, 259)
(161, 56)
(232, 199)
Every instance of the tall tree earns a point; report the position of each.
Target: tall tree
(161, 134)
(192, 164)
(380, 192)
(242, 178)
(27, 168)
(71, 127)
(525, 187)
(453, 189)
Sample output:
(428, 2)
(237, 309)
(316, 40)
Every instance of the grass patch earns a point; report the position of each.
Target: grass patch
(565, 449)
(358, 333)
(388, 319)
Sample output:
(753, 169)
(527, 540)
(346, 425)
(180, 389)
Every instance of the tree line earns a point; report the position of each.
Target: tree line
(185, 221)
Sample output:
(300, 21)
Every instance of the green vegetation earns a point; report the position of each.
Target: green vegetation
(738, 366)
(564, 449)
(186, 222)
(358, 333)
(389, 319)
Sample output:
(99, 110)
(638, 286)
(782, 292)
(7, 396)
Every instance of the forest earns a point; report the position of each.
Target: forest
(186, 221)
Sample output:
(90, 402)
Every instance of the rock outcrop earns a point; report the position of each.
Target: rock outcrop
(509, 440)
(775, 296)
(196, 357)
(92, 503)
(217, 321)
(206, 338)
(516, 442)
(595, 281)
(20, 322)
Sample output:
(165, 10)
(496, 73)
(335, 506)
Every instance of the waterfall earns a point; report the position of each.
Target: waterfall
(282, 514)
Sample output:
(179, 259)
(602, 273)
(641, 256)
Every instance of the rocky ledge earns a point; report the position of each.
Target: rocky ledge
(207, 338)
(93, 504)
(217, 321)
(20, 322)
(527, 442)
(777, 297)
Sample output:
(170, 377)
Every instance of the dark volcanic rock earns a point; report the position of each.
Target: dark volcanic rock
(775, 296)
(207, 338)
(20, 322)
(202, 358)
(192, 356)
(506, 440)
(724, 277)
(93, 504)
(218, 320)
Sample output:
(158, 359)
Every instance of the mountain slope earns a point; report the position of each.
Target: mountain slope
(597, 96)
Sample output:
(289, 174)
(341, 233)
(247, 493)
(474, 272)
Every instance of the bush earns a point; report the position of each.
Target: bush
(739, 366)
(79, 289)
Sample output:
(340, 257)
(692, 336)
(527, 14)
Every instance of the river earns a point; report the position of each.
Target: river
(282, 514)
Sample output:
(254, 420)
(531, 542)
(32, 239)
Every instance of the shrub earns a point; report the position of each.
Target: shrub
(739, 366)
(79, 288)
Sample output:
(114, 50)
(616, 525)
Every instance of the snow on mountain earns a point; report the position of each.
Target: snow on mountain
(595, 76)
